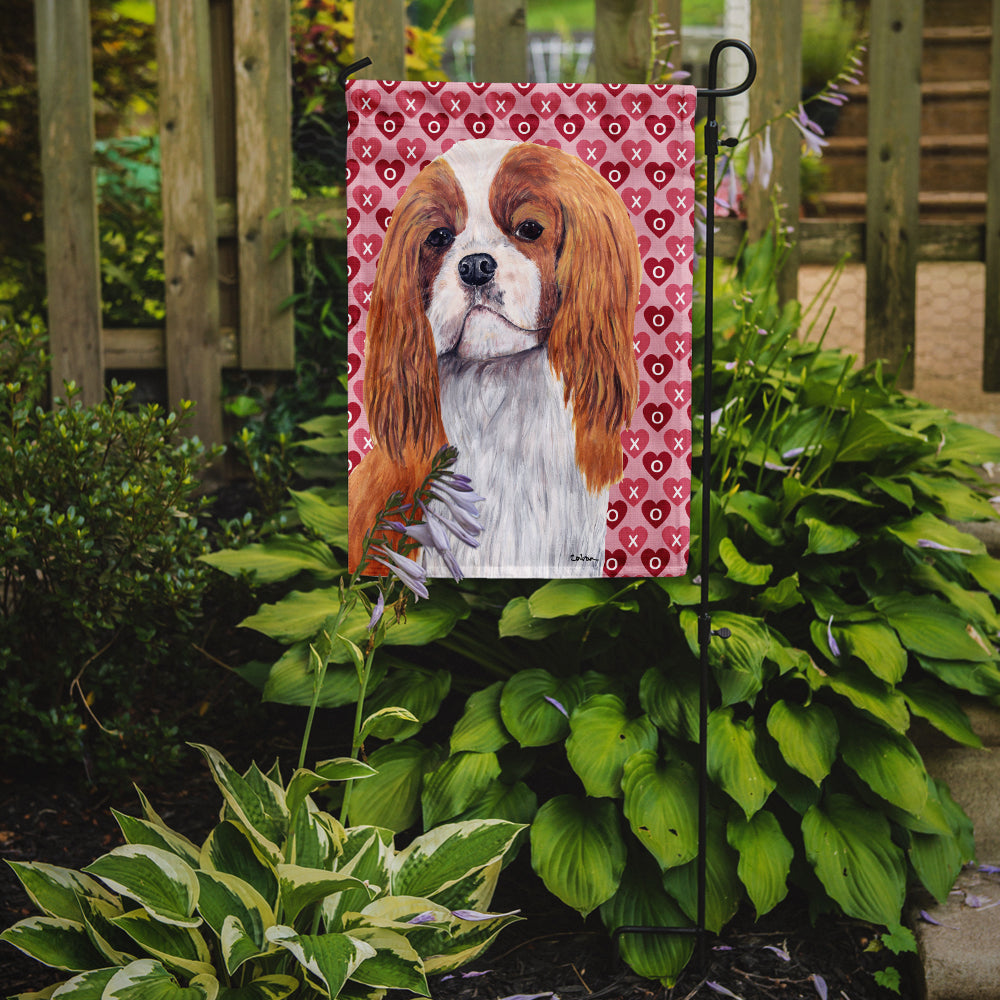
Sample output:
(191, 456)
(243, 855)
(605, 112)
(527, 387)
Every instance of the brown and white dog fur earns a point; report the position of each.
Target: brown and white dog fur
(501, 322)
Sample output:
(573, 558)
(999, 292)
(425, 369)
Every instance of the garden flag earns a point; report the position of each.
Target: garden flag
(520, 262)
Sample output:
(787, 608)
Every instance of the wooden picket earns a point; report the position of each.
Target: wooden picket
(226, 160)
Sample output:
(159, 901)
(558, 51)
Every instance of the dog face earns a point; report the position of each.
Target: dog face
(497, 248)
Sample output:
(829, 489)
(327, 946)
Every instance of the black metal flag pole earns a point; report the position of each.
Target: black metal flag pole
(705, 631)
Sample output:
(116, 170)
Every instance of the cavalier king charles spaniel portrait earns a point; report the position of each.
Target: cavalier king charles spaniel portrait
(501, 322)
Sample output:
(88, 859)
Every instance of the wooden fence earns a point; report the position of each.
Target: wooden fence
(226, 160)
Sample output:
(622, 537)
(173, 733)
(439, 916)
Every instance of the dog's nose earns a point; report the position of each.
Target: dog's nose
(476, 269)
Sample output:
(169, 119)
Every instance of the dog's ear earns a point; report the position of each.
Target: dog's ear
(590, 343)
(401, 387)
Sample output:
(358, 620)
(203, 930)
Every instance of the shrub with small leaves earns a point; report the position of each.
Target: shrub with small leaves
(99, 574)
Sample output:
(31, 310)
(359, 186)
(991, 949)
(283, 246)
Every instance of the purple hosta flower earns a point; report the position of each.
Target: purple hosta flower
(427, 917)
(820, 984)
(927, 543)
(729, 199)
(558, 705)
(812, 134)
(475, 915)
(411, 574)
(780, 952)
(719, 988)
(760, 166)
(990, 869)
(377, 612)
(456, 494)
(834, 648)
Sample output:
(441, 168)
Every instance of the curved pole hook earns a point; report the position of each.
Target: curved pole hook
(353, 68)
(713, 90)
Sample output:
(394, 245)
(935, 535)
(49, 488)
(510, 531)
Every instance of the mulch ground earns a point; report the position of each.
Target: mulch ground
(551, 952)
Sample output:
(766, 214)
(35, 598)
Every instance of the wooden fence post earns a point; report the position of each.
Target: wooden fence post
(776, 34)
(621, 40)
(190, 251)
(380, 34)
(501, 41)
(893, 183)
(262, 61)
(991, 332)
(72, 254)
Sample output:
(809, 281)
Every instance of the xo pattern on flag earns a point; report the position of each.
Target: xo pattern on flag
(640, 139)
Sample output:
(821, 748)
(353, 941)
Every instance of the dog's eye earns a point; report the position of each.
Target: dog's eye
(529, 230)
(442, 237)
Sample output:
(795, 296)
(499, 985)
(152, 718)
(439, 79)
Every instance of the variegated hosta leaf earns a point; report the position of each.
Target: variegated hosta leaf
(475, 891)
(732, 760)
(765, 858)
(315, 838)
(229, 848)
(661, 799)
(224, 898)
(304, 782)
(116, 946)
(395, 964)
(177, 947)
(158, 880)
(149, 980)
(56, 891)
(481, 727)
(441, 857)
(642, 902)
(141, 831)
(367, 853)
(54, 941)
(256, 801)
(602, 737)
(578, 851)
(468, 939)
(328, 959)
(850, 847)
(275, 987)
(807, 736)
(86, 986)
(300, 887)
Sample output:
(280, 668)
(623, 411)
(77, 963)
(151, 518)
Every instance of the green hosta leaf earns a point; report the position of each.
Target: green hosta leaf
(225, 897)
(147, 979)
(941, 709)
(738, 661)
(937, 859)
(275, 987)
(758, 511)
(671, 700)
(965, 443)
(578, 851)
(931, 628)
(783, 595)
(527, 711)
(732, 761)
(456, 784)
(893, 488)
(641, 901)
(438, 859)
(828, 539)
(180, 948)
(54, 941)
(751, 574)
(292, 680)
(864, 692)
(391, 798)
(481, 728)
(661, 799)
(141, 831)
(876, 646)
(417, 690)
(395, 964)
(327, 520)
(56, 891)
(261, 809)
(516, 803)
(230, 849)
(870, 436)
(279, 558)
(986, 572)
(558, 598)
(330, 959)
(888, 763)
(928, 528)
(765, 858)
(517, 620)
(850, 847)
(159, 881)
(723, 889)
(975, 605)
(976, 678)
(807, 736)
(957, 501)
(301, 887)
(602, 738)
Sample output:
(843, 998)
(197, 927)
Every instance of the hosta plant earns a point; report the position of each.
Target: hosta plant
(279, 900)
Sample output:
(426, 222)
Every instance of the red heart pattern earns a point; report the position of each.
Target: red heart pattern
(641, 140)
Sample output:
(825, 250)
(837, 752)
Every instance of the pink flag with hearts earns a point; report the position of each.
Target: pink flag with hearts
(520, 260)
